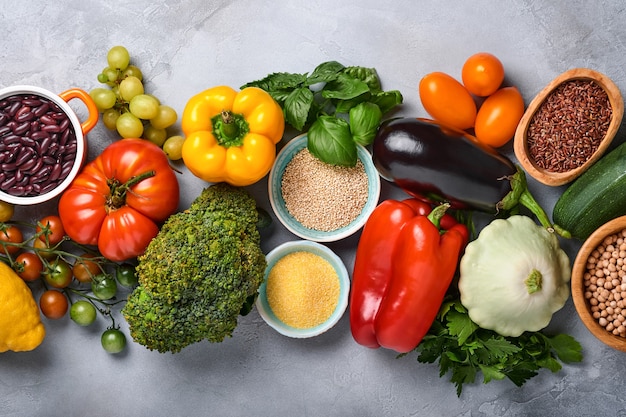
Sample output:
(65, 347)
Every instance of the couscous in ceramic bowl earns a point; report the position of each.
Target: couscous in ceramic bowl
(305, 291)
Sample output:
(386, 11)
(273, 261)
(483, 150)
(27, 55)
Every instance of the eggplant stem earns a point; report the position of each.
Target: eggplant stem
(520, 194)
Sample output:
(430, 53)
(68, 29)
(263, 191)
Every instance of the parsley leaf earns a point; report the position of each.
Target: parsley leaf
(464, 350)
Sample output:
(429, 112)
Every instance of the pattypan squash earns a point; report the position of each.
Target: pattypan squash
(514, 276)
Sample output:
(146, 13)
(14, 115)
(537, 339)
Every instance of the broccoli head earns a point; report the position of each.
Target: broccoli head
(198, 272)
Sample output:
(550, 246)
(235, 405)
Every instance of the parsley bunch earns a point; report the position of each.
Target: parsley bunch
(339, 106)
(465, 349)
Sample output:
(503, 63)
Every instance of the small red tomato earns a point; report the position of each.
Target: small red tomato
(53, 304)
(29, 266)
(498, 117)
(10, 235)
(482, 74)
(50, 229)
(447, 101)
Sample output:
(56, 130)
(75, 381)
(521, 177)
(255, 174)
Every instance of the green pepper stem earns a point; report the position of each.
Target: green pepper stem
(229, 129)
(437, 213)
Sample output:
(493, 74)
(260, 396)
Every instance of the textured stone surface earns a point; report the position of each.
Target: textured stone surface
(185, 47)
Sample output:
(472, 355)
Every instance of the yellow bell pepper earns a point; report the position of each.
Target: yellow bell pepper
(231, 136)
(20, 324)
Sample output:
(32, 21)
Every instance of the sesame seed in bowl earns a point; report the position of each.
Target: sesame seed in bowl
(318, 201)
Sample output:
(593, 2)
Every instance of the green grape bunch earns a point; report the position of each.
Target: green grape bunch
(127, 108)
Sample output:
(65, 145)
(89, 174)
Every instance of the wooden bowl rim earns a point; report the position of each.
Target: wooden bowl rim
(520, 138)
(578, 293)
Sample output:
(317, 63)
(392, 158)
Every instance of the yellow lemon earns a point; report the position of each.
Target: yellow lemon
(21, 328)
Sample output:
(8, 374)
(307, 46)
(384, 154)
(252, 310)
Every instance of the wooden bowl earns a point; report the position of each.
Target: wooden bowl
(581, 304)
(520, 144)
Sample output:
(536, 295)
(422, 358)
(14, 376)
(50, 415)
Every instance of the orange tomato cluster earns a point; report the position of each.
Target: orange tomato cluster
(454, 104)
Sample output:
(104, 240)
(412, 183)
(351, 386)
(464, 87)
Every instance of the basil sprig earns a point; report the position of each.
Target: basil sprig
(338, 106)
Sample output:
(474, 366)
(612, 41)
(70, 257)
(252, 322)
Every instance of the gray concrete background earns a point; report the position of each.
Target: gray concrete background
(184, 47)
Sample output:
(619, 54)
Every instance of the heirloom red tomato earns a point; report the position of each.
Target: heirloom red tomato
(119, 199)
(447, 101)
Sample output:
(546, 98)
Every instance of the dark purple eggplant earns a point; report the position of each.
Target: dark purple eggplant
(439, 164)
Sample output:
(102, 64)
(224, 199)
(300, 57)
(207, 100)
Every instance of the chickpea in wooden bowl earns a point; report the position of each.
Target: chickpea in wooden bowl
(599, 283)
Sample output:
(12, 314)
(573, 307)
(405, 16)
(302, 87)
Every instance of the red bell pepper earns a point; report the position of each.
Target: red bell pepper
(405, 261)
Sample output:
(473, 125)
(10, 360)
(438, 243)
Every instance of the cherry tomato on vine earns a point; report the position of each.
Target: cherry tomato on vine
(53, 304)
(125, 274)
(58, 274)
(104, 287)
(113, 340)
(499, 116)
(50, 229)
(43, 249)
(447, 101)
(9, 235)
(84, 269)
(28, 266)
(83, 313)
(482, 74)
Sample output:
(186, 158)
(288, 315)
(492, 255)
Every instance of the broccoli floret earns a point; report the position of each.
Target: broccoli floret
(198, 272)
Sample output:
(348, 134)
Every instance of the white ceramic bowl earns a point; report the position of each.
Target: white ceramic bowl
(294, 226)
(284, 249)
(79, 129)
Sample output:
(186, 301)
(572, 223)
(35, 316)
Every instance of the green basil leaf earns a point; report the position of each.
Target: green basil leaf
(297, 107)
(364, 122)
(324, 72)
(278, 81)
(387, 100)
(344, 106)
(330, 141)
(280, 96)
(344, 87)
(367, 75)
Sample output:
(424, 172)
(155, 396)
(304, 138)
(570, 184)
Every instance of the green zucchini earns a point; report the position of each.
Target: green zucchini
(594, 198)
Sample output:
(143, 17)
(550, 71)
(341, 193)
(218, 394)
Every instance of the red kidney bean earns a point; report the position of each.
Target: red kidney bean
(22, 128)
(51, 128)
(13, 108)
(30, 142)
(8, 182)
(47, 119)
(39, 135)
(41, 110)
(32, 101)
(28, 165)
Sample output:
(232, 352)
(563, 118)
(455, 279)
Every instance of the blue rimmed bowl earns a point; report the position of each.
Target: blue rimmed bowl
(291, 223)
(335, 261)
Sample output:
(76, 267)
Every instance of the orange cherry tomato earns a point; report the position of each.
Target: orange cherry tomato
(447, 101)
(482, 74)
(498, 117)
